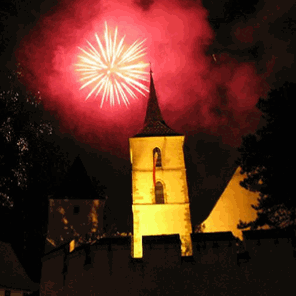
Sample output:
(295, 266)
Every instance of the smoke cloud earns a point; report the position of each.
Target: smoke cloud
(196, 91)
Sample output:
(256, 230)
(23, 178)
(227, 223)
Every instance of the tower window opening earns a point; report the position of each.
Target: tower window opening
(76, 210)
(159, 197)
(157, 157)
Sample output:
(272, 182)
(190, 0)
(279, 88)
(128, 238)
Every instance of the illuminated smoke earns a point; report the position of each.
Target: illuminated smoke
(195, 92)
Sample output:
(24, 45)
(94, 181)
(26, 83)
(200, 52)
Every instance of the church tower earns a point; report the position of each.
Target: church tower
(159, 185)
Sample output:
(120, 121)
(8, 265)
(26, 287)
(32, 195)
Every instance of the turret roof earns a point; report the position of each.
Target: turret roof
(77, 184)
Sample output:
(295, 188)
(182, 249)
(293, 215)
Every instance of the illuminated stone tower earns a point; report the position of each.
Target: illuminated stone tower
(160, 194)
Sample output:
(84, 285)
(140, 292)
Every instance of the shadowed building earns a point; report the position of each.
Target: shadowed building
(14, 280)
(75, 210)
(159, 184)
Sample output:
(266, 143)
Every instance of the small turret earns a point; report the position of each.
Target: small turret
(75, 210)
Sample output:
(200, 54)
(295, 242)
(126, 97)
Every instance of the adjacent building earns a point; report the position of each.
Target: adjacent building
(14, 280)
(76, 210)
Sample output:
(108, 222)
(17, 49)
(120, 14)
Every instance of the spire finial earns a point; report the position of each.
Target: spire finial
(150, 69)
(153, 111)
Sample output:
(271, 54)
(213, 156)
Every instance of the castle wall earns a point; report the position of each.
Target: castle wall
(107, 268)
(52, 271)
(272, 262)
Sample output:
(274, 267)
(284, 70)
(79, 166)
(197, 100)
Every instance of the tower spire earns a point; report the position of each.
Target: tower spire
(158, 177)
(153, 112)
(154, 124)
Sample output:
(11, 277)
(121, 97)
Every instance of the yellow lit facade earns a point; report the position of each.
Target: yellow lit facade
(159, 189)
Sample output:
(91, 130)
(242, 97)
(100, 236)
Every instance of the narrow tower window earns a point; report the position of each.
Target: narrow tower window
(159, 198)
(76, 210)
(157, 157)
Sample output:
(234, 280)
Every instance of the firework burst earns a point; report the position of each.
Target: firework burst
(112, 70)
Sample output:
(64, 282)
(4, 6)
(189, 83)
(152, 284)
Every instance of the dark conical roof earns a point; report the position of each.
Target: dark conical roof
(153, 111)
(154, 125)
(76, 184)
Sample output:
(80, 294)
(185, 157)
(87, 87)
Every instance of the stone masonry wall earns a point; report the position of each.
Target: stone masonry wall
(107, 268)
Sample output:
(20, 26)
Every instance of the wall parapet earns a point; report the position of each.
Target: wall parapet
(162, 269)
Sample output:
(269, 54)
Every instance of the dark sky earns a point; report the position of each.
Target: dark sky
(211, 63)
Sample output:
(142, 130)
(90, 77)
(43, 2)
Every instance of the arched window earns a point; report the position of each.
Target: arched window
(159, 198)
(157, 156)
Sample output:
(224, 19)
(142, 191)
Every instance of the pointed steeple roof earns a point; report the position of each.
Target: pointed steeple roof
(153, 112)
(154, 124)
(76, 184)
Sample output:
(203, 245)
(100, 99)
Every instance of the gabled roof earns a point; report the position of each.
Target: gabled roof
(12, 274)
(77, 184)
(154, 125)
(236, 201)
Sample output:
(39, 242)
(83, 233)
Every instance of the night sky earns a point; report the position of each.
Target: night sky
(211, 60)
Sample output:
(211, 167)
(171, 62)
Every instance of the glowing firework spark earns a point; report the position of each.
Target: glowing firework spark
(112, 70)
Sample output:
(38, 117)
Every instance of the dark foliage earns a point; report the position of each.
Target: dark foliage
(31, 165)
(199, 228)
(267, 158)
(29, 157)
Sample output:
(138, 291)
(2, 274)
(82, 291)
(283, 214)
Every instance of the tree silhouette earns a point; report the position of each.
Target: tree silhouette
(266, 158)
(199, 228)
(31, 164)
(29, 156)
